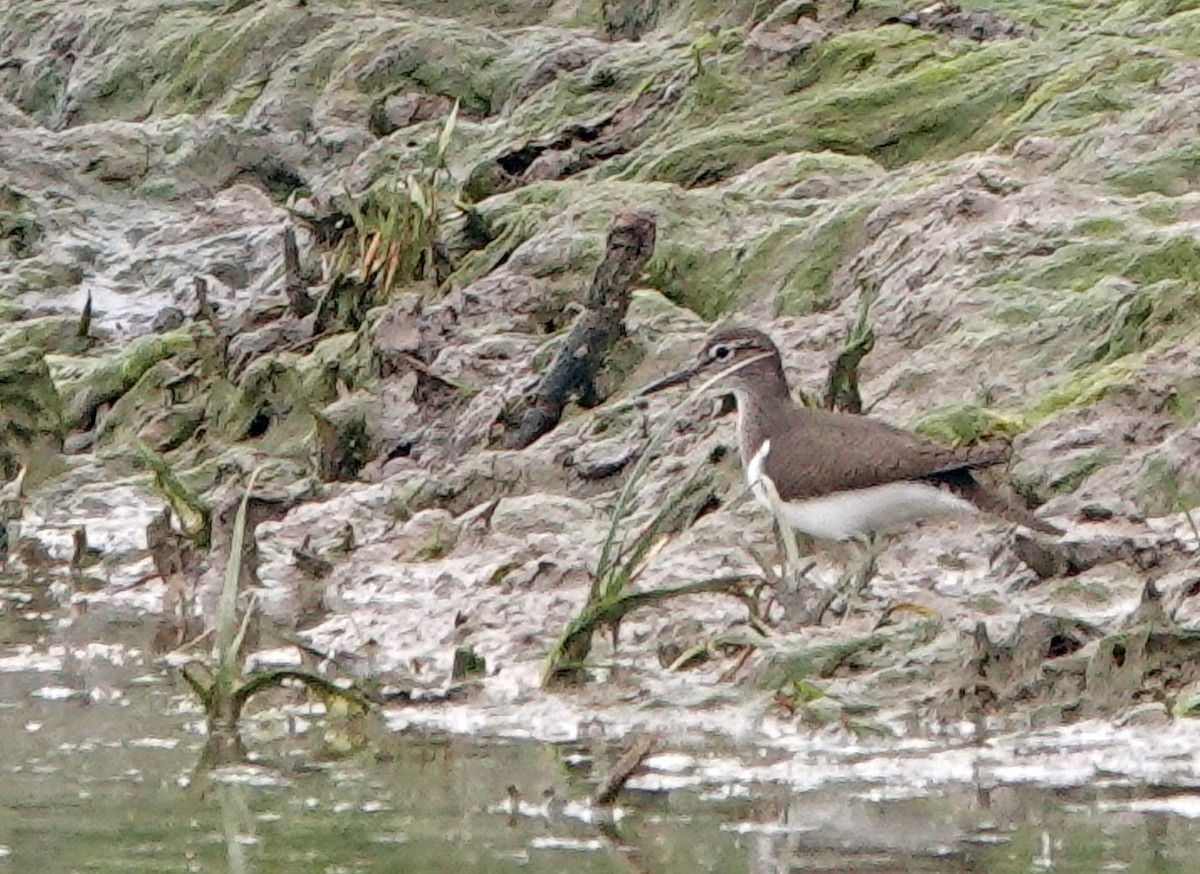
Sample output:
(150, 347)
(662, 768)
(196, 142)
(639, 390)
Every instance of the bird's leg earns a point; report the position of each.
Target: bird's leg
(797, 594)
(870, 547)
(855, 579)
(793, 571)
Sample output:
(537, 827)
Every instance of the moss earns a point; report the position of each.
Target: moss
(1177, 258)
(813, 257)
(1084, 387)
(1161, 211)
(1184, 400)
(245, 96)
(1100, 226)
(968, 424)
(31, 422)
(1166, 488)
(1172, 174)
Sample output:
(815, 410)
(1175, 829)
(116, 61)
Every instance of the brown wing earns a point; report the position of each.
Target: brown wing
(831, 452)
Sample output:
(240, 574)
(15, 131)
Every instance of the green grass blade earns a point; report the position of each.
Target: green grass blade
(604, 565)
(228, 637)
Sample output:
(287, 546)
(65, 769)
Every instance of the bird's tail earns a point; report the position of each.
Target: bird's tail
(968, 488)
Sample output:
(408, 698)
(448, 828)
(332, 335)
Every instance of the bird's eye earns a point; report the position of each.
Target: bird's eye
(720, 353)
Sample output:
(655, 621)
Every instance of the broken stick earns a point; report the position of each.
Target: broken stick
(629, 246)
(626, 766)
(299, 302)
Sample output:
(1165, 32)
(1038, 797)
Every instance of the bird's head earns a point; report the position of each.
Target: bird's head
(738, 358)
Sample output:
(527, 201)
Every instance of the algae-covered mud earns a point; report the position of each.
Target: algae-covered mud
(332, 253)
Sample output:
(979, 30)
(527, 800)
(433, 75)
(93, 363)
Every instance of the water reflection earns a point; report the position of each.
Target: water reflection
(104, 803)
(107, 783)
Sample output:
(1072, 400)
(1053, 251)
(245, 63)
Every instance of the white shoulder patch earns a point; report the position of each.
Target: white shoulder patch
(756, 478)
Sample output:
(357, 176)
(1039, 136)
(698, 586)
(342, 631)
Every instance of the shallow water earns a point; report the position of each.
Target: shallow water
(101, 746)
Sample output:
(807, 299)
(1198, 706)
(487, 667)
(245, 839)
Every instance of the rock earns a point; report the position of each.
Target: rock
(113, 152)
(628, 19)
(1042, 558)
(171, 428)
(78, 441)
(427, 535)
(571, 57)
(467, 664)
(524, 516)
(1073, 556)
(1094, 513)
(1150, 715)
(168, 319)
(247, 346)
(945, 17)
(786, 34)
(396, 336)
(1031, 233)
(345, 438)
(600, 459)
(401, 110)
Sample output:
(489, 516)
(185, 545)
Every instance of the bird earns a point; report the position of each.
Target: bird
(834, 475)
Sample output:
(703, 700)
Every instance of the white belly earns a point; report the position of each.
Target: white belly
(875, 510)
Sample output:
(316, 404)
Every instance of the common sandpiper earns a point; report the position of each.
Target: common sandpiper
(839, 476)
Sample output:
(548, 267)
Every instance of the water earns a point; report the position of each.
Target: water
(101, 743)
(110, 786)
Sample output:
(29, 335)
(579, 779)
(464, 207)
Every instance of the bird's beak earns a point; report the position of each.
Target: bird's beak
(677, 378)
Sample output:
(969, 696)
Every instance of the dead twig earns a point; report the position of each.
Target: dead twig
(84, 330)
(625, 768)
(736, 667)
(572, 376)
(293, 285)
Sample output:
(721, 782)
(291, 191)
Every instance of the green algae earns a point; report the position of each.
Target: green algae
(968, 424)
(1063, 479)
(47, 333)
(1102, 78)
(814, 256)
(86, 383)
(456, 62)
(1184, 400)
(1166, 487)
(199, 65)
(1161, 211)
(1085, 387)
(1176, 258)
(269, 404)
(20, 229)
(31, 421)
(1172, 173)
